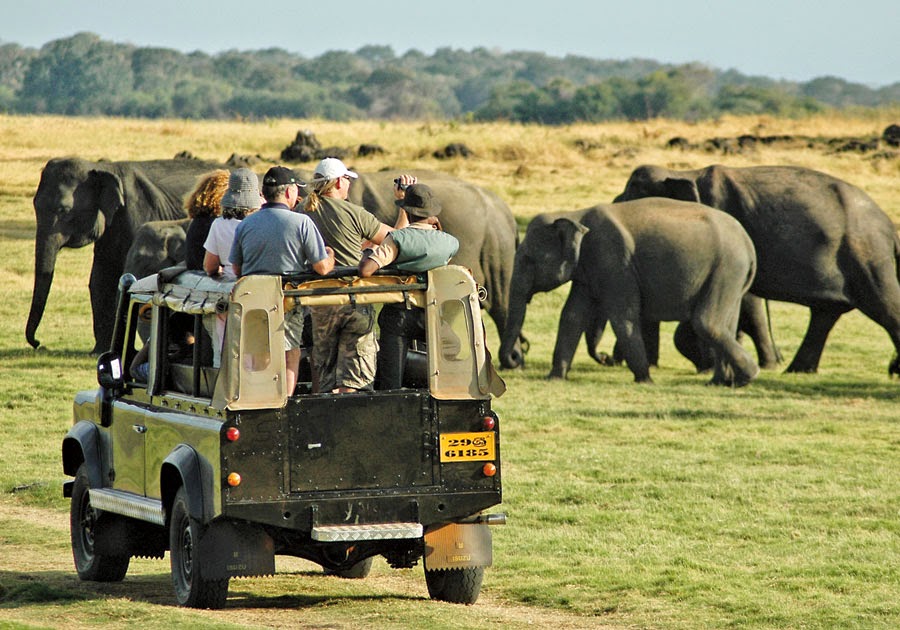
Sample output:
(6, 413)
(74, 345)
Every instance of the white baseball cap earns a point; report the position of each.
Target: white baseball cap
(332, 168)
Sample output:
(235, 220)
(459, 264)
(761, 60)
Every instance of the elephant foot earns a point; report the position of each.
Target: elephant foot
(894, 367)
(803, 366)
(557, 375)
(770, 365)
(794, 369)
(643, 380)
(604, 359)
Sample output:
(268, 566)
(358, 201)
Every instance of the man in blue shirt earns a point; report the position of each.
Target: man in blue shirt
(278, 241)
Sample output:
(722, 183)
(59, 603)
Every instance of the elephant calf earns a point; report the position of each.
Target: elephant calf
(634, 262)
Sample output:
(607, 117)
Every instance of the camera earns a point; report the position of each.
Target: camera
(400, 185)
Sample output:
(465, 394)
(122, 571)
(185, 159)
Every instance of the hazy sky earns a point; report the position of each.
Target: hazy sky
(797, 40)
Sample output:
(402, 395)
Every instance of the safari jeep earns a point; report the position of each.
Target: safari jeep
(225, 469)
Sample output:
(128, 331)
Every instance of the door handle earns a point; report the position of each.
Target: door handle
(139, 428)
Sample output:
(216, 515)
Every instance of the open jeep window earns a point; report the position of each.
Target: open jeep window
(188, 355)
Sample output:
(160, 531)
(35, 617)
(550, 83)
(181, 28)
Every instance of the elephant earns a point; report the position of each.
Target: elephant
(156, 245)
(645, 261)
(820, 242)
(79, 202)
(478, 218)
(686, 341)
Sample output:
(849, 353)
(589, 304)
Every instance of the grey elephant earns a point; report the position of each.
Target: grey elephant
(820, 242)
(79, 202)
(686, 340)
(478, 218)
(644, 261)
(156, 245)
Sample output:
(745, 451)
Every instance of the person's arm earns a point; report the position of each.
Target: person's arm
(212, 265)
(399, 193)
(381, 256)
(326, 265)
(367, 267)
(383, 231)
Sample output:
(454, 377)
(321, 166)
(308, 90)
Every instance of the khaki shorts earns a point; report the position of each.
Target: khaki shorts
(344, 346)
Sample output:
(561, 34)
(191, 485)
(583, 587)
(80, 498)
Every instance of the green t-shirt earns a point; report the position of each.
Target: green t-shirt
(344, 226)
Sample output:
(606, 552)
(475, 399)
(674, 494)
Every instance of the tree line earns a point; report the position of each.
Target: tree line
(85, 75)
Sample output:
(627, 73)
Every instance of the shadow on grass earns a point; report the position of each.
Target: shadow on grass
(823, 386)
(41, 353)
(19, 590)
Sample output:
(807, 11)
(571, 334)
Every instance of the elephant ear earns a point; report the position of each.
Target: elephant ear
(570, 235)
(110, 193)
(682, 189)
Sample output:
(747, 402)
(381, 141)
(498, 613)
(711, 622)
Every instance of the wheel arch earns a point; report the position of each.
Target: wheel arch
(184, 467)
(82, 445)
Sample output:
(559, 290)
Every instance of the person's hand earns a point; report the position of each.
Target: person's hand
(401, 183)
(329, 252)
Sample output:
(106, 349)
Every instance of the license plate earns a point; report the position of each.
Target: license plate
(468, 447)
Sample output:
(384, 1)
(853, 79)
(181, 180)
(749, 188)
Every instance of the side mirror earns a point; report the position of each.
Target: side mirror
(109, 372)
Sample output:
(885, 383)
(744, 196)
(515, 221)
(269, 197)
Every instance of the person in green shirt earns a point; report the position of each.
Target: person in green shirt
(344, 345)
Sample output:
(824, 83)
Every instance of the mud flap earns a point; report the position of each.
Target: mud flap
(230, 549)
(458, 546)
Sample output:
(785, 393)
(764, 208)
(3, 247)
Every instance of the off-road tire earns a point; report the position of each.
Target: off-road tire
(83, 520)
(457, 586)
(191, 588)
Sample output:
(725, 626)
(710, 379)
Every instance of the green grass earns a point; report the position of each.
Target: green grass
(675, 505)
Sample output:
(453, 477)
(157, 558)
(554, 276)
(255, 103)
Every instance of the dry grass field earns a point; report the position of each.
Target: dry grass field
(671, 506)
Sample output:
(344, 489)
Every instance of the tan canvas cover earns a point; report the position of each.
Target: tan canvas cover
(350, 289)
(254, 334)
(460, 367)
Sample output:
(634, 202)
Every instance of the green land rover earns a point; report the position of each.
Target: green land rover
(225, 469)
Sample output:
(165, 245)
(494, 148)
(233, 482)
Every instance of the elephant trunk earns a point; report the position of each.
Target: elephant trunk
(45, 252)
(511, 352)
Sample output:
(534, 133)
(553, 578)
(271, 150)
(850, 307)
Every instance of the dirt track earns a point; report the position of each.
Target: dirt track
(299, 596)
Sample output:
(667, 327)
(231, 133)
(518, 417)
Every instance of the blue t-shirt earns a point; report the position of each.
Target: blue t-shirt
(275, 240)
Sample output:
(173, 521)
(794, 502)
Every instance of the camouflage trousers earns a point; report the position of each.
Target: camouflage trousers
(344, 346)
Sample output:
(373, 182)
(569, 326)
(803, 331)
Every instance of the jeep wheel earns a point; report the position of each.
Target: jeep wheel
(191, 588)
(357, 572)
(83, 520)
(457, 586)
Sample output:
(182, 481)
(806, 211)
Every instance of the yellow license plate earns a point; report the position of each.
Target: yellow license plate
(468, 447)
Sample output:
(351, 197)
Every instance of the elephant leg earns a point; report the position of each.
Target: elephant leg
(628, 332)
(650, 335)
(593, 335)
(753, 322)
(821, 321)
(880, 301)
(103, 289)
(573, 321)
(733, 365)
(688, 343)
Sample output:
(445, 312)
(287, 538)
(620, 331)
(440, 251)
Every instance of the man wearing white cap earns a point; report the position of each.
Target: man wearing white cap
(344, 345)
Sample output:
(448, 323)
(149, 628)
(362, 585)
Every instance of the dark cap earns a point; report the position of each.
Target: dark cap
(419, 201)
(282, 176)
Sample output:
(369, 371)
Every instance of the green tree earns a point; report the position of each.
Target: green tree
(79, 75)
